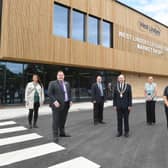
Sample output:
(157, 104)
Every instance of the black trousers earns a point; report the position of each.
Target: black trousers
(59, 118)
(166, 112)
(122, 114)
(150, 112)
(98, 111)
(35, 112)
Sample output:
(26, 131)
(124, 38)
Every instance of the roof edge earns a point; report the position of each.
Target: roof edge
(135, 10)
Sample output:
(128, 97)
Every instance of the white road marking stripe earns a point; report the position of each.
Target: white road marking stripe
(28, 153)
(20, 138)
(76, 163)
(12, 129)
(4, 123)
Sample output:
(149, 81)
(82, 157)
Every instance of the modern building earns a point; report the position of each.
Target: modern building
(82, 37)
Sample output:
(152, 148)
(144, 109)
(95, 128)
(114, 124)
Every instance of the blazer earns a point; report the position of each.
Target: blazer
(96, 94)
(56, 93)
(165, 93)
(125, 101)
(29, 94)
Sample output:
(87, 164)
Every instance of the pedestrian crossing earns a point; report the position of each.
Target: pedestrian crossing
(28, 153)
(18, 139)
(33, 152)
(12, 129)
(7, 123)
(79, 162)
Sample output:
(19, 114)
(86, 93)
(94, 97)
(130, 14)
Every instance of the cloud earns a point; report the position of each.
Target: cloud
(157, 9)
(154, 8)
(162, 18)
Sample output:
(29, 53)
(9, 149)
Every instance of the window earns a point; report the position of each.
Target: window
(61, 21)
(93, 30)
(11, 86)
(78, 25)
(106, 34)
(15, 76)
(72, 23)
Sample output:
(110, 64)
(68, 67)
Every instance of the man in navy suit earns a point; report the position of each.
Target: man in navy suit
(98, 97)
(59, 92)
(122, 102)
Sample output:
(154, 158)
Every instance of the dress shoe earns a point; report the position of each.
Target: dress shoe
(35, 126)
(95, 123)
(65, 135)
(30, 127)
(102, 122)
(56, 139)
(119, 135)
(126, 134)
(149, 123)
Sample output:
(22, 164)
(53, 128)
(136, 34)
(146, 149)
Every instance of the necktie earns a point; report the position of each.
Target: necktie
(65, 90)
(100, 87)
(62, 85)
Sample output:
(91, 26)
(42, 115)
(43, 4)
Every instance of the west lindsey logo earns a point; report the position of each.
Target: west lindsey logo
(149, 28)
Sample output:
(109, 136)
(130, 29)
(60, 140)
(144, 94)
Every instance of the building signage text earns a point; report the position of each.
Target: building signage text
(149, 28)
(145, 45)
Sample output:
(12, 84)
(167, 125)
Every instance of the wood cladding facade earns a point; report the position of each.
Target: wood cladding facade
(27, 35)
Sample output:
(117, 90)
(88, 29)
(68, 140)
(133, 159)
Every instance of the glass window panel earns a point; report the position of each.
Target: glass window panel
(61, 20)
(93, 30)
(15, 76)
(106, 34)
(14, 68)
(14, 86)
(2, 81)
(78, 22)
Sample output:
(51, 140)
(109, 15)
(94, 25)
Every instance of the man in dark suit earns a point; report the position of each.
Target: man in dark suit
(122, 102)
(98, 97)
(59, 92)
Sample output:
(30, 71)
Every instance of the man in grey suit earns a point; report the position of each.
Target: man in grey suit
(59, 92)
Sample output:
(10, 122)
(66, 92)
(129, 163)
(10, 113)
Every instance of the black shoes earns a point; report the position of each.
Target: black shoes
(30, 126)
(102, 122)
(150, 123)
(65, 135)
(56, 139)
(95, 123)
(119, 135)
(126, 134)
(35, 126)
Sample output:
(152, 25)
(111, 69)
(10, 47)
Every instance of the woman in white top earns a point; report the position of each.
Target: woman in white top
(150, 94)
(34, 98)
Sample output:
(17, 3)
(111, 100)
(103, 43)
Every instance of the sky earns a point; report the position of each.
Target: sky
(156, 9)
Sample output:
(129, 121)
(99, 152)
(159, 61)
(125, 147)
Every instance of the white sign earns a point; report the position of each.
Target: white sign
(145, 45)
